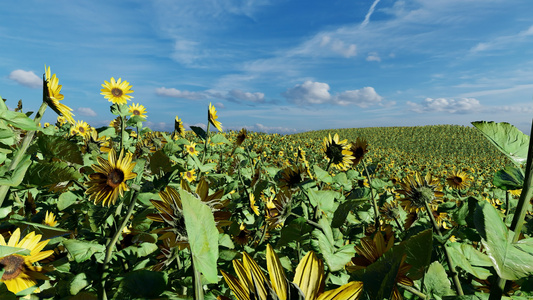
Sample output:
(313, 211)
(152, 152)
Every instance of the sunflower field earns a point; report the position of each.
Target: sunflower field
(124, 212)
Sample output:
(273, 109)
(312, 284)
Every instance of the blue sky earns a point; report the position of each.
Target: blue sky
(277, 65)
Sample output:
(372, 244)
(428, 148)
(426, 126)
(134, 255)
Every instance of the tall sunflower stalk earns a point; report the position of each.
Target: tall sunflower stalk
(211, 119)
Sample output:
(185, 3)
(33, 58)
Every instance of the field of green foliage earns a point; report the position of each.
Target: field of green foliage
(124, 212)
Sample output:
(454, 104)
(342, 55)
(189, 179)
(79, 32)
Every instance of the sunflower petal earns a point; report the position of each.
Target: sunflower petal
(236, 287)
(276, 273)
(349, 291)
(309, 275)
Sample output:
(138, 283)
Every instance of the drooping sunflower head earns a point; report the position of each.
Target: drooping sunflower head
(212, 117)
(292, 177)
(337, 152)
(278, 209)
(137, 109)
(170, 212)
(117, 91)
(390, 211)
(53, 96)
(459, 180)
(178, 127)
(109, 179)
(418, 191)
(19, 271)
(241, 137)
(359, 149)
(81, 128)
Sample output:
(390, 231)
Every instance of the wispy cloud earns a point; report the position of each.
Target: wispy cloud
(86, 112)
(503, 41)
(26, 78)
(234, 95)
(453, 106)
(369, 13)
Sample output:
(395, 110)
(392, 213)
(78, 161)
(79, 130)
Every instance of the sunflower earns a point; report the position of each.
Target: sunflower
(109, 179)
(61, 121)
(418, 191)
(371, 249)
(137, 110)
(117, 91)
(53, 96)
(253, 205)
(170, 212)
(458, 180)
(292, 177)
(179, 130)
(50, 219)
(191, 149)
(359, 149)
(190, 176)
(212, 117)
(278, 208)
(241, 136)
(390, 211)
(19, 271)
(81, 128)
(167, 254)
(337, 152)
(243, 236)
(308, 283)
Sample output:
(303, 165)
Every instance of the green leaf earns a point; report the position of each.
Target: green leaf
(342, 180)
(512, 261)
(66, 199)
(49, 174)
(342, 211)
(142, 284)
(6, 251)
(507, 138)
(4, 211)
(15, 178)
(418, 249)
(18, 120)
(436, 281)
(296, 231)
(322, 175)
(82, 250)
(469, 261)
(200, 132)
(203, 235)
(335, 258)
(219, 139)
(324, 199)
(78, 283)
(145, 249)
(58, 147)
(160, 162)
(510, 178)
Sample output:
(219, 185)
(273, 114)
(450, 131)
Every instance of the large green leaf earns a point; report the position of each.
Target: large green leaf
(322, 175)
(18, 120)
(512, 261)
(15, 177)
(203, 235)
(57, 147)
(418, 250)
(51, 173)
(507, 138)
(436, 281)
(82, 250)
(200, 132)
(510, 178)
(142, 284)
(469, 259)
(336, 258)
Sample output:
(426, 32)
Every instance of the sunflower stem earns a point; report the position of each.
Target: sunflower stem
(413, 291)
(4, 189)
(520, 212)
(122, 129)
(111, 245)
(197, 279)
(374, 202)
(206, 141)
(451, 265)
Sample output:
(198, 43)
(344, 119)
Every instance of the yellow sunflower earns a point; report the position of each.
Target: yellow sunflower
(337, 152)
(459, 180)
(418, 191)
(253, 205)
(50, 219)
(54, 95)
(19, 271)
(308, 283)
(117, 91)
(191, 149)
(212, 117)
(190, 176)
(170, 212)
(81, 128)
(371, 249)
(179, 130)
(278, 209)
(292, 177)
(359, 149)
(241, 136)
(109, 179)
(61, 121)
(137, 109)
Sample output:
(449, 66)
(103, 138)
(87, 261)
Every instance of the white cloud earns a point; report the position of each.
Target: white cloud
(271, 129)
(364, 97)
(246, 96)
(460, 106)
(503, 41)
(311, 92)
(369, 13)
(325, 45)
(86, 111)
(26, 78)
(373, 56)
(175, 93)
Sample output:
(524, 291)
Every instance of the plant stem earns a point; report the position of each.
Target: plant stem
(414, 291)
(520, 212)
(20, 153)
(451, 265)
(197, 279)
(206, 141)
(374, 202)
(111, 245)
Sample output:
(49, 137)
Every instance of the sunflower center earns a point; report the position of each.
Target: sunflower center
(13, 265)
(116, 92)
(457, 179)
(136, 112)
(334, 152)
(115, 178)
(423, 194)
(359, 152)
(81, 129)
(188, 174)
